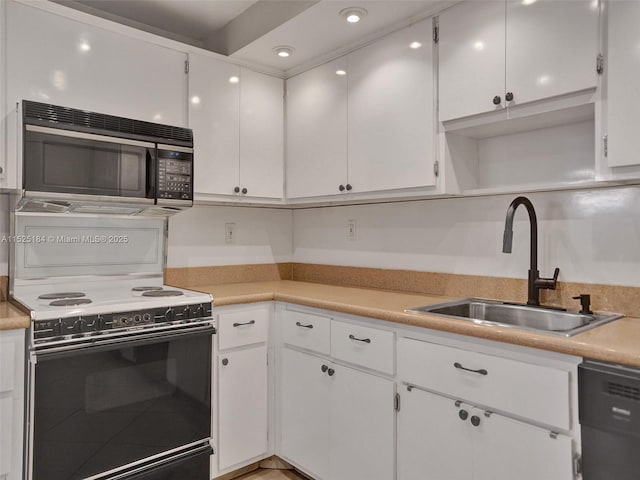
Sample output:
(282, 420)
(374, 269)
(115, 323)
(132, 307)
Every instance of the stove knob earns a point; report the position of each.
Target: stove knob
(78, 325)
(186, 313)
(101, 323)
(169, 315)
(57, 327)
(199, 312)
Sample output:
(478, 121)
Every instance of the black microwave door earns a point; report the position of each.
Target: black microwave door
(78, 163)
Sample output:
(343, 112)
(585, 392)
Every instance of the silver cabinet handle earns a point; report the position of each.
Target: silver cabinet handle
(309, 326)
(250, 322)
(364, 340)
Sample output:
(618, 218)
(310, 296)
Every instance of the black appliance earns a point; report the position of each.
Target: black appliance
(609, 397)
(125, 395)
(71, 154)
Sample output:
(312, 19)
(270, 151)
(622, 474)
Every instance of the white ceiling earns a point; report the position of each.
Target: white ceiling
(314, 28)
(320, 30)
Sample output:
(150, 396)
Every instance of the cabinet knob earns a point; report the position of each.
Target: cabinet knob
(475, 420)
(463, 414)
(330, 372)
(341, 188)
(349, 187)
(237, 189)
(1, 170)
(225, 361)
(509, 97)
(324, 368)
(497, 100)
(244, 191)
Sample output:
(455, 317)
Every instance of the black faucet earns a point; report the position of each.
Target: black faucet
(536, 283)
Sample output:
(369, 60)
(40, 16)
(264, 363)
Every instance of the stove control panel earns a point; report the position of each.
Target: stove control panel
(94, 324)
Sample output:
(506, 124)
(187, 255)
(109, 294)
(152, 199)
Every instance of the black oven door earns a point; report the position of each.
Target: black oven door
(105, 406)
(84, 164)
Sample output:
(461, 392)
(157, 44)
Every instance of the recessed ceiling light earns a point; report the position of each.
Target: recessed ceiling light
(195, 100)
(234, 79)
(340, 72)
(284, 51)
(84, 46)
(415, 45)
(353, 14)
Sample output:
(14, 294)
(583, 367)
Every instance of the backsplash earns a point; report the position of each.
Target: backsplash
(593, 236)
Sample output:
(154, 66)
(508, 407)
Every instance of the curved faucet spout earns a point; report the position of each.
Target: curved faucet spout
(535, 282)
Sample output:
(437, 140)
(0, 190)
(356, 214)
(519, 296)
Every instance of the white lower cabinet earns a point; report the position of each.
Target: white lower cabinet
(242, 387)
(11, 403)
(242, 399)
(336, 422)
(449, 440)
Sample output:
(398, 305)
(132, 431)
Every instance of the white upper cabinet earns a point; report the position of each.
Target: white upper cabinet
(552, 48)
(317, 131)
(391, 112)
(261, 134)
(57, 60)
(623, 88)
(237, 120)
(471, 59)
(497, 54)
(365, 122)
(214, 116)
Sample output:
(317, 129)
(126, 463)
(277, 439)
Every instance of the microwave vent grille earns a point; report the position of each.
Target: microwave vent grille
(109, 123)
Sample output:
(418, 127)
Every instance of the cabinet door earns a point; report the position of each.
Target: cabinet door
(304, 414)
(504, 449)
(242, 406)
(551, 48)
(87, 67)
(472, 58)
(6, 440)
(433, 439)
(362, 426)
(623, 88)
(214, 116)
(391, 112)
(261, 134)
(317, 131)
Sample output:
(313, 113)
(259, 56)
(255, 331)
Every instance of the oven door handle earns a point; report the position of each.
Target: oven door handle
(132, 340)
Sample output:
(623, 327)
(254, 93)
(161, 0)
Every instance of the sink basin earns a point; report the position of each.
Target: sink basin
(540, 319)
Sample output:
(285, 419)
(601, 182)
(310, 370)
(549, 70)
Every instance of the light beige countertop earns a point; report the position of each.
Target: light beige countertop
(617, 342)
(11, 317)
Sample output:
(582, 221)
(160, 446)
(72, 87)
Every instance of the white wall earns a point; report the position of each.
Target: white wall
(197, 236)
(593, 236)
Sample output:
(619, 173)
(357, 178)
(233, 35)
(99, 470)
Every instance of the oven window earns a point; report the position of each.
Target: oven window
(99, 411)
(80, 166)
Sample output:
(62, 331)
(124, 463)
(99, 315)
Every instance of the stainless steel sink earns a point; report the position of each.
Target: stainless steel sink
(540, 319)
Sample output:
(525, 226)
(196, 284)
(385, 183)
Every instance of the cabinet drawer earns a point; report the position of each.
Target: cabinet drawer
(307, 331)
(531, 391)
(243, 327)
(366, 346)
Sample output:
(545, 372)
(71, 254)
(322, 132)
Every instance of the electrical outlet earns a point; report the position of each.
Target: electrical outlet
(351, 230)
(229, 233)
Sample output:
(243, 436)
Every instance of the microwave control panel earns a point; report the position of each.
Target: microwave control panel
(175, 175)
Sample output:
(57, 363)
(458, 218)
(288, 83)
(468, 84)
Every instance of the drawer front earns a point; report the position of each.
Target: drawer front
(308, 331)
(531, 391)
(365, 346)
(243, 327)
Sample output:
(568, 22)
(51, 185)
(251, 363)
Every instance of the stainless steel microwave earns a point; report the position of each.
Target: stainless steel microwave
(75, 155)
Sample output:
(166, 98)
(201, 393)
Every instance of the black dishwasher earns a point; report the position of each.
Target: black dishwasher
(609, 400)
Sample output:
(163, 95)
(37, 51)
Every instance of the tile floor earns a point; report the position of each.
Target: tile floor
(269, 474)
